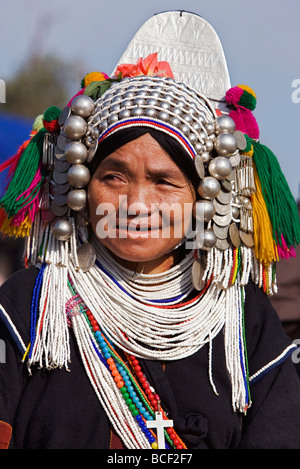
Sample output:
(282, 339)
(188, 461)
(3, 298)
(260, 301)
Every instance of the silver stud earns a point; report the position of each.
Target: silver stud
(124, 114)
(224, 124)
(220, 167)
(209, 187)
(164, 116)
(62, 230)
(137, 111)
(175, 121)
(82, 105)
(76, 199)
(75, 127)
(76, 152)
(150, 112)
(225, 144)
(79, 176)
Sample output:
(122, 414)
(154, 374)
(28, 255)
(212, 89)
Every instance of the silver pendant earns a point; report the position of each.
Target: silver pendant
(86, 256)
(197, 274)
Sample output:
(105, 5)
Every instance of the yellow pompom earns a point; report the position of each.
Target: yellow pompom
(93, 76)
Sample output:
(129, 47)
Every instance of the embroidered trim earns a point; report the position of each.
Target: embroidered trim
(273, 364)
(12, 329)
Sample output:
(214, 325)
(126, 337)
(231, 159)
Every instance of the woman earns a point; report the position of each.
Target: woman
(137, 311)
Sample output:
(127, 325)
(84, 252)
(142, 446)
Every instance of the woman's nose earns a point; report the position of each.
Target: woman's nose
(138, 201)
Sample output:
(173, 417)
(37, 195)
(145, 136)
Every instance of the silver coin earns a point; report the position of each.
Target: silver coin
(60, 199)
(197, 274)
(235, 159)
(86, 256)
(224, 197)
(222, 244)
(62, 141)
(61, 165)
(62, 188)
(226, 185)
(199, 166)
(60, 178)
(64, 115)
(241, 139)
(222, 220)
(221, 209)
(247, 239)
(59, 153)
(221, 232)
(59, 211)
(92, 150)
(234, 235)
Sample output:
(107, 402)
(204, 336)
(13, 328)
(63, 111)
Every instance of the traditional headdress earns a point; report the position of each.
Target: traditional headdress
(250, 222)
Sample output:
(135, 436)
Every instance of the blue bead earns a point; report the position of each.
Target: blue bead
(151, 439)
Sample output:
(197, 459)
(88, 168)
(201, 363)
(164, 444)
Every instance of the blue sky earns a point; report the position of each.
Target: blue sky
(261, 41)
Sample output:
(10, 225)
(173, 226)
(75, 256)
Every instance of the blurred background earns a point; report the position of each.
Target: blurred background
(47, 48)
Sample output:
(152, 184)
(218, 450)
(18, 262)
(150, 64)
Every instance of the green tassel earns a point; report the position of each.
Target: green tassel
(280, 203)
(24, 174)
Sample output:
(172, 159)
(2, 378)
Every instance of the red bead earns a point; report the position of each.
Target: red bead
(145, 385)
(96, 328)
(179, 447)
(148, 391)
(140, 374)
(153, 402)
(156, 396)
(142, 379)
(150, 396)
(137, 368)
(172, 435)
(169, 430)
(135, 362)
(176, 441)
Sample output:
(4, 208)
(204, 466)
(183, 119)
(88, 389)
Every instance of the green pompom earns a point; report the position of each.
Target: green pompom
(51, 114)
(248, 101)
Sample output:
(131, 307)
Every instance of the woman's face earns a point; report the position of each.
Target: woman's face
(140, 205)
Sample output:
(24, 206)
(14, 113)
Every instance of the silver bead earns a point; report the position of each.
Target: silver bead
(175, 121)
(103, 125)
(154, 94)
(210, 128)
(235, 212)
(184, 129)
(224, 124)
(151, 102)
(75, 127)
(138, 101)
(95, 133)
(209, 145)
(76, 199)
(199, 147)
(150, 112)
(124, 114)
(128, 94)
(209, 187)
(115, 108)
(204, 210)
(225, 144)
(165, 105)
(82, 105)
(206, 239)
(177, 111)
(137, 111)
(219, 167)
(62, 230)
(192, 138)
(206, 156)
(126, 103)
(76, 153)
(164, 116)
(88, 141)
(79, 176)
(196, 126)
(113, 118)
(188, 118)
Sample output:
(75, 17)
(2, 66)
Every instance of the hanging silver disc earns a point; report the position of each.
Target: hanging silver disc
(221, 232)
(224, 197)
(65, 113)
(241, 140)
(199, 166)
(60, 178)
(234, 235)
(222, 220)
(221, 209)
(247, 239)
(86, 256)
(222, 244)
(197, 274)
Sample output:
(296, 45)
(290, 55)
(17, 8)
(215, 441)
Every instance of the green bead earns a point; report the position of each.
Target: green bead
(128, 401)
(131, 407)
(123, 389)
(126, 395)
(135, 412)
